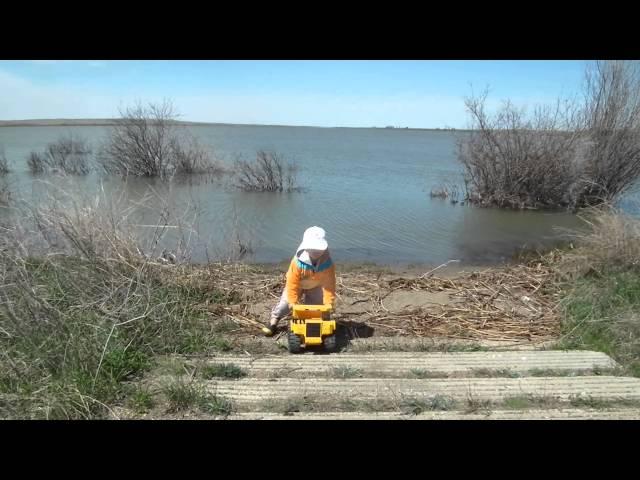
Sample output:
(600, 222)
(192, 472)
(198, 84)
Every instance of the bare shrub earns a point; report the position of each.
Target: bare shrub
(5, 194)
(68, 155)
(4, 164)
(516, 161)
(147, 141)
(191, 158)
(268, 173)
(611, 162)
(570, 155)
(37, 163)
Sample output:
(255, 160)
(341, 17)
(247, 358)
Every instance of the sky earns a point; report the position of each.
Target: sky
(344, 93)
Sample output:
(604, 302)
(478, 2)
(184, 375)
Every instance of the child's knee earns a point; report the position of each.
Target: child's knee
(280, 310)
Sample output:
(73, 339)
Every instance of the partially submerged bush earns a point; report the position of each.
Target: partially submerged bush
(191, 158)
(611, 160)
(567, 156)
(446, 191)
(4, 164)
(515, 161)
(5, 194)
(36, 163)
(147, 141)
(68, 155)
(268, 173)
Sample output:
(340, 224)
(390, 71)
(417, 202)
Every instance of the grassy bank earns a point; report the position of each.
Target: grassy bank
(86, 311)
(75, 333)
(603, 313)
(601, 290)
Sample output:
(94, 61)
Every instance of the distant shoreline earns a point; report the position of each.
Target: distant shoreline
(67, 122)
(106, 122)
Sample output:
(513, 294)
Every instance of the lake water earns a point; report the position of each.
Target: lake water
(369, 188)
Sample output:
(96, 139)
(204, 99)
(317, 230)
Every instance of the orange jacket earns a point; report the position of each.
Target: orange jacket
(303, 276)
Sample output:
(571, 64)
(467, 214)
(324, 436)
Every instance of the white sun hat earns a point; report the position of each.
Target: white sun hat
(313, 239)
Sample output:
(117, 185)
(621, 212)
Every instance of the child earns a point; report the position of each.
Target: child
(311, 273)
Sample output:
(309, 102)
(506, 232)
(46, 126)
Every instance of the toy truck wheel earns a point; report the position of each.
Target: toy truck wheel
(329, 343)
(294, 343)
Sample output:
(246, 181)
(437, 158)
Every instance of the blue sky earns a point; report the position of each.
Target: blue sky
(417, 94)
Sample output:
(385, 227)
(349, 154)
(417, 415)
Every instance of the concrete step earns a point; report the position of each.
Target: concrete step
(253, 391)
(402, 364)
(441, 344)
(278, 345)
(536, 414)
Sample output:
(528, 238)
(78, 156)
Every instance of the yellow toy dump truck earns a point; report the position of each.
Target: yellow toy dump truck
(311, 325)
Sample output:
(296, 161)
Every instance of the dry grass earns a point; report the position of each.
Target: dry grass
(85, 307)
(498, 304)
(513, 303)
(612, 243)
